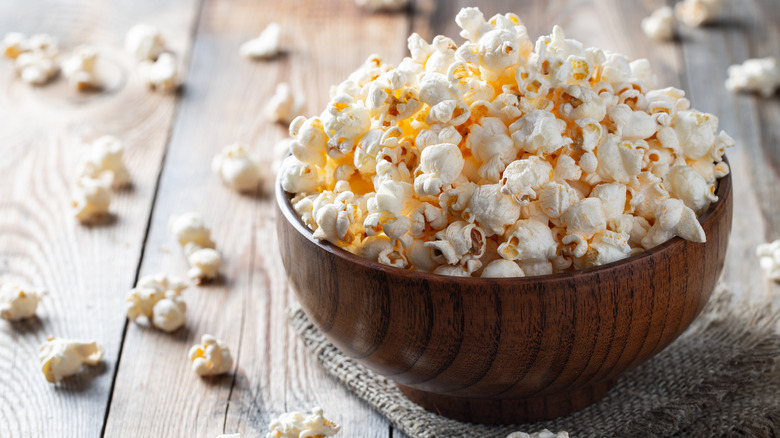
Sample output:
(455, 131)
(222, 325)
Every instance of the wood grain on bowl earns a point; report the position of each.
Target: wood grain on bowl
(508, 349)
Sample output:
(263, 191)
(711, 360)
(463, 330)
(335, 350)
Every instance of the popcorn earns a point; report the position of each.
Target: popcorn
(91, 199)
(61, 358)
(769, 259)
(660, 24)
(265, 46)
(18, 302)
(299, 425)
(79, 69)
(158, 298)
(195, 239)
(35, 58)
(501, 157)
(211, 357)
(695, 13)
(543, 434)
(284, 106)
(105, 156)
(162, 74)
(189, 228)
(13, 44)
(144, 42)
(761, 75)
(236, 168)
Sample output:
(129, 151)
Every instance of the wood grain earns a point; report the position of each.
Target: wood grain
(86, 269)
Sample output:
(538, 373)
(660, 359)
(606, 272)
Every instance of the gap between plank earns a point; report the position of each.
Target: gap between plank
(196, 21)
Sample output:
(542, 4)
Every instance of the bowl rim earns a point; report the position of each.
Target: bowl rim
(283, 202)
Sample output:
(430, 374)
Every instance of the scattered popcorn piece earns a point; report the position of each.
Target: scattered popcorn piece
(157, 297)
(18, 302)
(300, 425)
(695, 13)
(660, 24)
(205, 262)
(161, 74)
(91, 199)
(543, 434)
(190, 228)
(144, 42)
(79, 69)
(284, 106)
(382, 5)
(502, 268)
(195, 239)
(769, 258)
(265, 46)
(761, 75)
(211, 357)
(13, 44)
(105, 155)
(169, 312)
(61, 358)
(35, 57)
(236, 168)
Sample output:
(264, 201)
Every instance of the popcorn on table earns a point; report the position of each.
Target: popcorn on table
(761, 75)
(237, 168)
(211, 357)
(660, 24)
(500, 157)
(105, 156)
(161, 74)
(158, 298)
(543, 434)
(61, 358)
(284, 105)
(18, 301)
(79, 69)
(265, 46)
(145, 42)
(382, 5)
(300, 425)
(769, 258)
(91, 199)
(195, 239)
(35, 58)
(695, 13)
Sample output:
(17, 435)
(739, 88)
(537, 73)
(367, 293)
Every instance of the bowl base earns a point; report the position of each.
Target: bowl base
(508, 411)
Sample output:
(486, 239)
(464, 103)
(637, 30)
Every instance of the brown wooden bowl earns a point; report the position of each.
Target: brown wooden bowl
(504, 350)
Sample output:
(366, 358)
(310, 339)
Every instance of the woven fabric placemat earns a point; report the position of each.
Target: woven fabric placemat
(720, 378)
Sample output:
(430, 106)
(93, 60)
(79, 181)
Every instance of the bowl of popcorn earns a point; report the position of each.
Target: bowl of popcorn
(503, 228)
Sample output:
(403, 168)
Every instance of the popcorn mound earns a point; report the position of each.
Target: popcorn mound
(500, 158)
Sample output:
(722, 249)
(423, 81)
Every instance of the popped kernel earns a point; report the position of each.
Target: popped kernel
(660, 24)
(300, 425)
(61, 358)
(265, 46)
(769, 259)
(18, 302)
(211, 357)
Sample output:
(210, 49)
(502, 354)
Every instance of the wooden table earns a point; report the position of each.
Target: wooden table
(144, 386)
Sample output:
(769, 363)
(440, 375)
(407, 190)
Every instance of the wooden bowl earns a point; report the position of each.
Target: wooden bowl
(504, 350)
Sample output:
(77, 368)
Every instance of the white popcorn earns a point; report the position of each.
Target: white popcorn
(674, 218)
(382, 5)
(490, 144)
(299, 425)
(298, 177)
(91, 199)
(696, 132)
(157, 297)
(169, 312)
(613, 199)
(144, 42)
(758, 74)
(606, 247)
(190, 228)
(686, 184)
(211, 357)
(105, 156)
(539, 132)
(543, 434)
(265, 46)
(620, 161)
(769, 259)
(583, 220)
(13, 44)
(284, 106)
(493, 210)
(555, 198)
(61, 358)
(500, 268)
(459, 240)
(523, 178)
(528, 240)
(440, 164)
(309, 144)
(79, 69)
(18, 302)
(204, 262)
(35, 58)
(646, 195)
(161, 74)
(420, 256)
(660, 24)
(237, 168)
(695, 13)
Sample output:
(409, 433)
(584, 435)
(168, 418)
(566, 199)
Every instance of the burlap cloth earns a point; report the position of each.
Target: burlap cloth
(718, 379)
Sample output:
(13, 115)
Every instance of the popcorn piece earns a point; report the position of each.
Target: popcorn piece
(660, 24)
(493, 210)
(204, 262)
(236, 168)
(18, 302)
(299, 425)
(583, 220)
(769, 259)
(35, 58)
(265, 46)
(284, 106)
(105, 155)
(144, 42)
(523, 178)
(501, 268)
(674, 218)
(607, 247)
(530, 241)
(169, 312)
(298, 177)
(695, 13)
(189, 228)
(157, 297)
(761, 75)
(686, 184)
(211, 357)
(460, 240)
(440, 164)
(91, 199)
(162, 74)
(543, 434)
(13, 44)
(79, 69)
(61, 358)
(539, 132)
